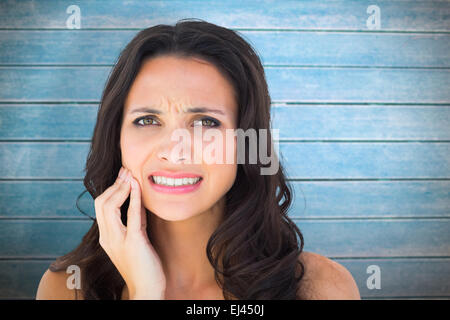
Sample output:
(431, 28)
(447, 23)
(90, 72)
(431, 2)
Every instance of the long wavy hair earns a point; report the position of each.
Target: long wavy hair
(258, 244)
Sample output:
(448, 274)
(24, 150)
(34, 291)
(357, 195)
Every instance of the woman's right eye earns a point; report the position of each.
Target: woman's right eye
(143, 121)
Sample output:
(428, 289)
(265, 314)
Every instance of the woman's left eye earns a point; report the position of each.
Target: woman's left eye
(208, 122)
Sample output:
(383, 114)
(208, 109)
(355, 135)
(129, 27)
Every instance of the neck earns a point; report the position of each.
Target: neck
(181, 246)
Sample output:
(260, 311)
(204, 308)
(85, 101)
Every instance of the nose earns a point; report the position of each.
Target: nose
(176, 147)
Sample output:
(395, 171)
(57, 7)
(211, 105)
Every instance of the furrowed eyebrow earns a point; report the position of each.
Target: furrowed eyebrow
(204, 110)
(190, 110)
(145, 110)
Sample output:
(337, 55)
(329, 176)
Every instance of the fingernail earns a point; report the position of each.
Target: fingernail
(133, 183)
(121, 173)
(128, 177)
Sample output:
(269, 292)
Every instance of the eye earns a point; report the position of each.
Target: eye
(207, 122)
(145, 120)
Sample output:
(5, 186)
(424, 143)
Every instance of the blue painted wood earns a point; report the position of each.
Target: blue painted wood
(19, 279)
(335, 237)
(311, 199)
(290, 84)
(377, 238)
(356, 199)
(62, 46)
(351, 49)
(48, 122)
(44, 199)
(326, 160)
(350, 160)
(274, 47)
(40, 238)
(52, 84)
(413, 277)
(295, 122)
(342, 15)
(362, 122)
(346, 85)
(40, 160)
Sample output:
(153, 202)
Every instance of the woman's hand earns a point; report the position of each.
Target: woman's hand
(128, 247)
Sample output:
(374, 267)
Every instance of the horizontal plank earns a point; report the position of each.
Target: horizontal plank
(68, 83)
(336, 238)
(274, 47)
(414, 277)
(47, 122)
(377, 238)
(355, 199)
(323, 15)
(327, 160)
(348, 85)
(351, 49)
(42, 238)
(33, 160)
(62, 46)
(361, 122)
(44, 199)
(311, 199)
(365, 160)
(19, 279)
(302, 122)
(286, 84)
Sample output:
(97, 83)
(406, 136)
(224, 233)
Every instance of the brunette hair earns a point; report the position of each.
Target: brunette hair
(258, 244)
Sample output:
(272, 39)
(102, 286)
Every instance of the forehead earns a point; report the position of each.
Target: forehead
(174, 83)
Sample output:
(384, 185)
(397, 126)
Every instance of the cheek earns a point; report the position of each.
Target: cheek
(220, 162)
(218, 148)
(131, 148)
(221, 178)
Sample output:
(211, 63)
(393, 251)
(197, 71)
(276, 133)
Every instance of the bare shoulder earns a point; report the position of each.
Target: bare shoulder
(53, 286)
(325, 279)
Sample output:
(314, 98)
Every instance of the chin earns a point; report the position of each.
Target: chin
(172, 214)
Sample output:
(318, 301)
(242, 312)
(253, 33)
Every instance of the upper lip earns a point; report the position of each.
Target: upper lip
(175, 175)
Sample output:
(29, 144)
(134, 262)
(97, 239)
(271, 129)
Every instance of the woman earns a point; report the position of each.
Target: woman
(219, 230)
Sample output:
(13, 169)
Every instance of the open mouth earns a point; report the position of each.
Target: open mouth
(175, 182)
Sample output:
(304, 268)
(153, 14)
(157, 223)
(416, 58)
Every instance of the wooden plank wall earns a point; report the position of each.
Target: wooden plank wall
(363, 115)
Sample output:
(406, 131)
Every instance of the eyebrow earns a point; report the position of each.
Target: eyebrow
(190, 110)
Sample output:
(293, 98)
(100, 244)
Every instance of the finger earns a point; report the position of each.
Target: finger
(136, 219)
(109, 191)
(121, 192)
(111, 208)
(100, 200)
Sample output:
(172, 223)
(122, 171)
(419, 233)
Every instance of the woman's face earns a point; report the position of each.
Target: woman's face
(172, 87)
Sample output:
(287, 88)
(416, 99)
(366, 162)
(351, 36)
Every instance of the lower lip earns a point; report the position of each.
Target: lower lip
(175, 190)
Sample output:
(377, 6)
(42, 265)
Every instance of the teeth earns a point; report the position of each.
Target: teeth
(174, 182)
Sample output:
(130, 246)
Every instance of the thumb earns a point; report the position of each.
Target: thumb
(136, 219)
